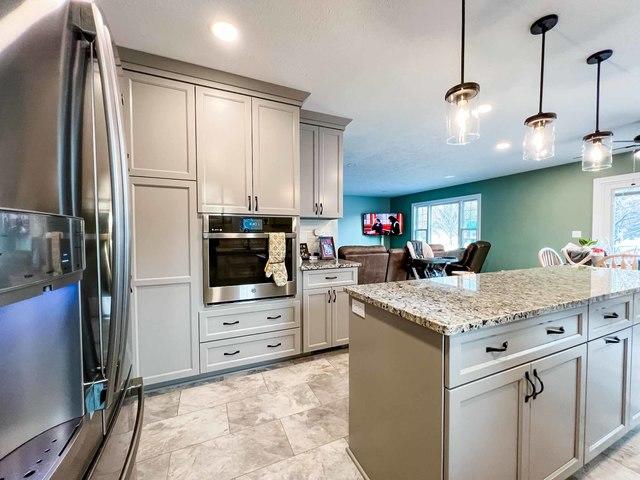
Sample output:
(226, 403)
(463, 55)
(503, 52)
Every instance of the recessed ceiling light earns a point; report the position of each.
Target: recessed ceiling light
(225, 31)
(449, 176)
(485, 108)
(503, 145)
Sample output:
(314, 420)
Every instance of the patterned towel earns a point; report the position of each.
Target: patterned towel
(275, 264)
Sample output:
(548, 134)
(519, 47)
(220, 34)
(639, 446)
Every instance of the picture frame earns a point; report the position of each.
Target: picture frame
(304, 251)
(327, 248)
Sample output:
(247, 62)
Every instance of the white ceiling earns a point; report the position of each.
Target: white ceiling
(387, 65)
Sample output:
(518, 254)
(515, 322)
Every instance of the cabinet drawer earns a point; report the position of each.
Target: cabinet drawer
(329, 278)
(476, 354)
(229, 322)
(236, 352)
(610, 316)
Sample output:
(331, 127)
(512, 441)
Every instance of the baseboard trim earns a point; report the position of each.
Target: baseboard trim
(357, 464)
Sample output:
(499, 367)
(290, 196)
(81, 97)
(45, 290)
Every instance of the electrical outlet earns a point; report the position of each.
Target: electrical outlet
(576, 234)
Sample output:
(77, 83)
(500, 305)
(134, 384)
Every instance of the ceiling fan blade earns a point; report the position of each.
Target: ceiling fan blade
(623, 141)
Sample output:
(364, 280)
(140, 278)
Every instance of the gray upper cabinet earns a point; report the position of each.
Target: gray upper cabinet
(248, 154)
(321, 163)
(224, 151)
(276, 158)
(608, 382)
(160, 120)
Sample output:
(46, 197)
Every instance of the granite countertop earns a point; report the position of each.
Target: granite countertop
(327, 264)
(452, 305)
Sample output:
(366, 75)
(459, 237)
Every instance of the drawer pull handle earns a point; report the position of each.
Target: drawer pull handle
(232, 353)
(611, 340)
(535, 374)
(609, 316)
(533, 387)
(274, 346)
(503, 348)
(331, 278)
(231, 323)
(274, 317)
(555, 330)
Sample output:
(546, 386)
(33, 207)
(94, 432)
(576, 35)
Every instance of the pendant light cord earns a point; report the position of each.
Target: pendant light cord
(462, 46)
(598, 99)
(544, 36)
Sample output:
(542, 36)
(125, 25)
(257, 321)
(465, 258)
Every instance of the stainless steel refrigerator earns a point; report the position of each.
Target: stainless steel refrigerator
(69, 407)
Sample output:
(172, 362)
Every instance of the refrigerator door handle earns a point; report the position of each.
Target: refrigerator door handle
(118, 327)
(137, 430)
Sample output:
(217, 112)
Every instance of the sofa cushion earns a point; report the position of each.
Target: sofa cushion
(397, 266)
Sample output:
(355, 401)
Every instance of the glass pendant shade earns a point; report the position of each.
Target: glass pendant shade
(539, 139)
(463, 119)
(597, 151)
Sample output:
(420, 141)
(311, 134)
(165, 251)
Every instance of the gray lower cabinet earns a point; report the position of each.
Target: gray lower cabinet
(634, 401)
(340, 317)
(608, 382)
(535, 437)
(316, 307)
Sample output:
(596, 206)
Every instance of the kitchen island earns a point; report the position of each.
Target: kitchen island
(524, 374)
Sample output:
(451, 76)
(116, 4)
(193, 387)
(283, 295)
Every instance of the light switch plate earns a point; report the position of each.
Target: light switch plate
(576, 234)
(357, 307)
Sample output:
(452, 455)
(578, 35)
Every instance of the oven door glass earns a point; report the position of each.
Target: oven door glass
(239, 261)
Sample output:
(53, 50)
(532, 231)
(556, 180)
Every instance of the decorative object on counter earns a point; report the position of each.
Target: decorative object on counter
(463, 119)
(596, 146)
(304, 251)
(587, 242)
(327, 248)
(275, 264)
(584, 254)
(313, 258)
(539, 139)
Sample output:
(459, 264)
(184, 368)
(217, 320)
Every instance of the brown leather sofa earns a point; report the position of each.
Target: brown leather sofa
(381, 265)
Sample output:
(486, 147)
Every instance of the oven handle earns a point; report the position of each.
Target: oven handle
(243, 235)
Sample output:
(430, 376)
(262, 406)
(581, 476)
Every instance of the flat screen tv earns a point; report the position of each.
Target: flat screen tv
(382, 224)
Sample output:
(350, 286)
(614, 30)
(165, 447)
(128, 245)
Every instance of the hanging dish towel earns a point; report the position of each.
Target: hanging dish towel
(275, 263)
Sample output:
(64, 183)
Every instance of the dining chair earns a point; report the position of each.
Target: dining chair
(623, 261)
(418, 249)
(548, 257)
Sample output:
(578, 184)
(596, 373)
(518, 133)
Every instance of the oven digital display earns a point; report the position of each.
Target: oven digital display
(251, 224)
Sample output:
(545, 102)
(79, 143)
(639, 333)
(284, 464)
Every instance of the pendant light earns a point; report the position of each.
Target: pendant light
(596, 147)
(540, 135)
(463, 119)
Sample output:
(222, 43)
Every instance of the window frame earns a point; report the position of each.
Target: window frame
(442, 201)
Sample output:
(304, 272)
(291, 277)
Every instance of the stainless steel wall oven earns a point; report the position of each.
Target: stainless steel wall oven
(235, 251)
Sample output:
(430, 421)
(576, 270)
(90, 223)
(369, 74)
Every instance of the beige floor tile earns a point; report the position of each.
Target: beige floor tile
(330, 387)
(270, 406)
(329, 462)
(232, 455)
(161, 407)
(318, 426)
(153, 469)
(181, 431)
(604, 468)
(340, 362)
(627, 451)
(219, 393)
(288, 377)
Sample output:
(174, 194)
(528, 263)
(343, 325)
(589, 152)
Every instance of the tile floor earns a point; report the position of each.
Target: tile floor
(283, 422)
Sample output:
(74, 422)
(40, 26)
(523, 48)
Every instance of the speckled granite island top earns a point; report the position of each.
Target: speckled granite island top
(327, 264)
(457, 304)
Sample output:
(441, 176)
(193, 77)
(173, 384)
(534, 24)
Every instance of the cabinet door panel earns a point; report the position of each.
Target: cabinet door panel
(309, 170)
(608, 378)
(635, 377)
(485, 422)
(161, 127)
(276, 157)
(340, 317)
(224, 151)
(556, 429)
(330, 172)
(316, 317)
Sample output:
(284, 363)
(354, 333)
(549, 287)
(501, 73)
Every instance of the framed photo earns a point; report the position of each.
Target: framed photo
(327, 248)
(304, 251)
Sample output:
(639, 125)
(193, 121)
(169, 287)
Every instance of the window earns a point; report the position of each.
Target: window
(452, 222)
(616, 213)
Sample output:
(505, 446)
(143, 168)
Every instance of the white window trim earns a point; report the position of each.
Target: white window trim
(602, 206)
(440, 201)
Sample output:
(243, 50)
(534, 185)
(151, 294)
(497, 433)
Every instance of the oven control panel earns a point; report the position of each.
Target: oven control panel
(251, 225)
(239, 224)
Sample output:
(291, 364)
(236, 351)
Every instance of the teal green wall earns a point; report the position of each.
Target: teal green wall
(524, 212)
(350, 225)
